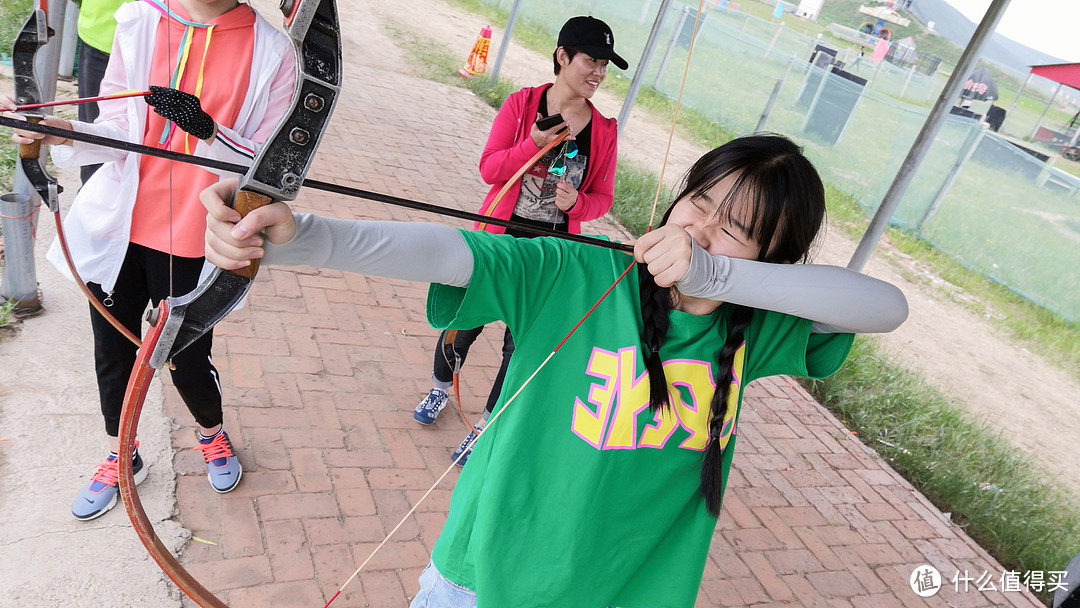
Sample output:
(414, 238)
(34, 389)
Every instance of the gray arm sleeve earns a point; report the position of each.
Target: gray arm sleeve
(837, 299)
(413, 251)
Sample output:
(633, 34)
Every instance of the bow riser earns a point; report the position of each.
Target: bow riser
(277, 172)
(33, 35)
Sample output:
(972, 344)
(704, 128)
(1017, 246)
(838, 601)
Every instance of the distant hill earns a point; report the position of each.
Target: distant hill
(953, 25)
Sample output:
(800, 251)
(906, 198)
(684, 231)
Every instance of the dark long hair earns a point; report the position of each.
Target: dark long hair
(788, 209)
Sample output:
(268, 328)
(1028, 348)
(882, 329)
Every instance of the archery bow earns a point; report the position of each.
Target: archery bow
(32, 37)
(275, 175)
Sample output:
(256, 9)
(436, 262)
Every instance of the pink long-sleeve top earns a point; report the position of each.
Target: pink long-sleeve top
(509, 146)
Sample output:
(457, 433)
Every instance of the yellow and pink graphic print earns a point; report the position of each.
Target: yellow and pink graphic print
(609, 421)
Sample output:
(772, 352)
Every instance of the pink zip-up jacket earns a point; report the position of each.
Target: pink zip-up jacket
(509, 147)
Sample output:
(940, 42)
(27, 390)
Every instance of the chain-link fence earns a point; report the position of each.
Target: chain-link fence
(993, 206)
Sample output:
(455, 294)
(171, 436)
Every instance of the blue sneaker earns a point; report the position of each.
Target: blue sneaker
(428, 409)
(100, 493)
(466, 447)
(223, 468)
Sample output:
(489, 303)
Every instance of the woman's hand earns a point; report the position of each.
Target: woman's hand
(22, 137)
(666, 252)
(232, 242)
(565, 195)
(543, 138)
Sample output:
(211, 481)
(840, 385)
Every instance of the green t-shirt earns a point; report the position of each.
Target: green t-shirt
(97, 23)
(578, 496)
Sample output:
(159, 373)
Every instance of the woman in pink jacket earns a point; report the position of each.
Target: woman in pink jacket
(570, 184)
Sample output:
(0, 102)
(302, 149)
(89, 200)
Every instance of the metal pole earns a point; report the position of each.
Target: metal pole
(18, 214)
(505, 42)
(48, 58)
(975, 137)
(639, 70)
(671, 46)
(926, 136)
(772, 98)
(1017, 98)
(1038, 123)
(772, 42)
(907, 81)
(825, 72)
(70, 43)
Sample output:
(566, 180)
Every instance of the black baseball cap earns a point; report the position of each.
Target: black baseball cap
(593, 37)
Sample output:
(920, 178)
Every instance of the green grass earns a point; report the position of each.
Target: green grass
(8, 153)
(15, 13)
(7, 311)
(1026, 323)
(1001, 498)
(635, 191)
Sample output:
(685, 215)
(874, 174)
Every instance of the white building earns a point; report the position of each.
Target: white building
(809, 9)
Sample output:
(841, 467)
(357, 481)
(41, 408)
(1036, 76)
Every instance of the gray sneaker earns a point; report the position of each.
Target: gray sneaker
(223, 467)
(100, 493)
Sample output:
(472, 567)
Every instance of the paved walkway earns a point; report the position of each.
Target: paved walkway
(323, 368)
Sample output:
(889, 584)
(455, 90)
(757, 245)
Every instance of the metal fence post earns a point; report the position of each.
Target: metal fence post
(775, 94)
(671, 45)
(18, 213)
(505, 43)
(639, 70)
(974, 139)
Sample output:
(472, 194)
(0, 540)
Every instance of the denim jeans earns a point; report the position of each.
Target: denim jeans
(436, 591)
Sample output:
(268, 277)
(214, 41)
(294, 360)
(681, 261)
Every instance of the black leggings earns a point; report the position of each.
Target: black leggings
(444, 372)
(144, 278)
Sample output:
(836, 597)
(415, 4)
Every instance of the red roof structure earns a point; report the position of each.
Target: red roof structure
(1067, 74)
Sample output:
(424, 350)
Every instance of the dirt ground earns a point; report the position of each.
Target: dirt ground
(1010, 388)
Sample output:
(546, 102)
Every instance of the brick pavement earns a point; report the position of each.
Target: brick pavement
(322, 369)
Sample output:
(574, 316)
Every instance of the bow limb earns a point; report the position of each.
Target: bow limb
(276, 175)
(32, 37)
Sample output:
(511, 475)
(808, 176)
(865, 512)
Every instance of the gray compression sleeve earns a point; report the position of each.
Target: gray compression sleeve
(837, 299)
(413, 251)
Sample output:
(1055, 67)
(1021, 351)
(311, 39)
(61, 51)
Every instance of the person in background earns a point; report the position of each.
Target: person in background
(571, 184)
(97, 24)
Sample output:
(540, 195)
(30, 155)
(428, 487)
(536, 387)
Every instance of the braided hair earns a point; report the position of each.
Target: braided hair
(787, 199)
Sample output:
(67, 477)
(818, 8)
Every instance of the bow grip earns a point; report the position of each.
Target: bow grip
(247, 201)
(32, 150)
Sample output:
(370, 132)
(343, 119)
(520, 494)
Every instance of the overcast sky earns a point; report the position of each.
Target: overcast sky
(1050, 26)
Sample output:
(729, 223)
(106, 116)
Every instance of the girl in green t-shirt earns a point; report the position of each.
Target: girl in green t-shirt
(599, 482)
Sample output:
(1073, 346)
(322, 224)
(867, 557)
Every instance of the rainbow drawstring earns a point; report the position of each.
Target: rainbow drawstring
(182, 54)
